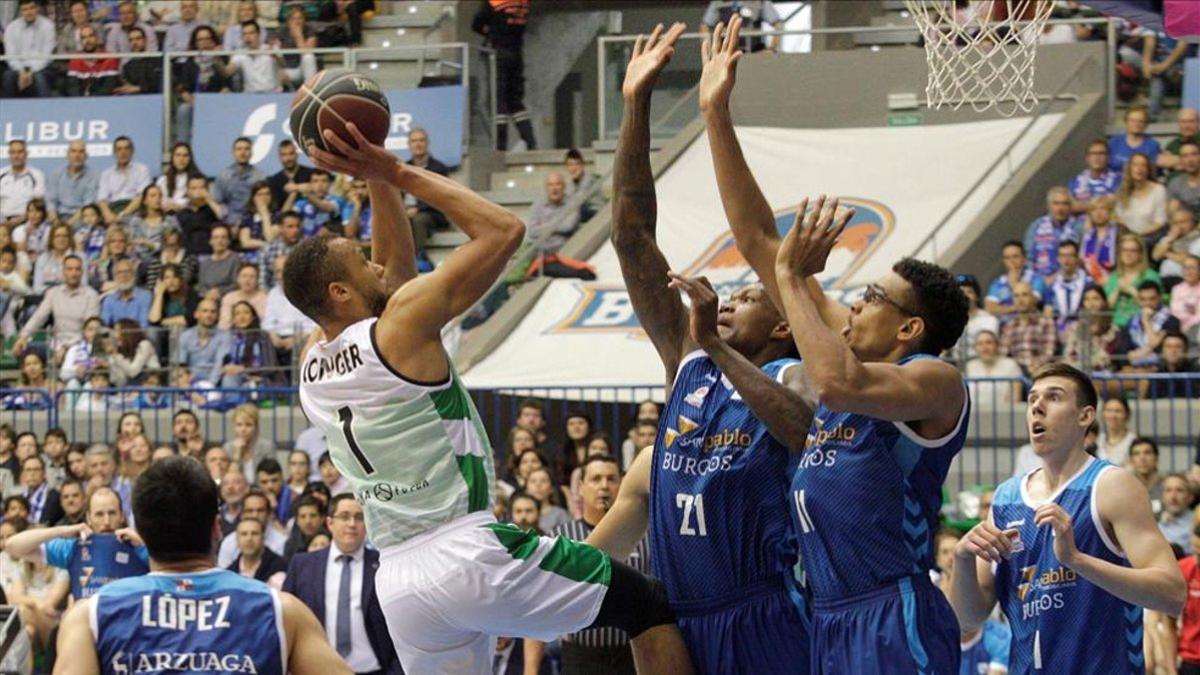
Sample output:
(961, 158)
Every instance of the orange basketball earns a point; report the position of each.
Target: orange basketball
(1015, 10)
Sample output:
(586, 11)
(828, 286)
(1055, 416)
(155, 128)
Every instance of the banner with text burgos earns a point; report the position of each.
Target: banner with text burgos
(263, 118)
(48, 126)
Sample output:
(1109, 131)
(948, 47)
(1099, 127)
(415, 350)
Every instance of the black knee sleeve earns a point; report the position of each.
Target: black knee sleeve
(634, 602)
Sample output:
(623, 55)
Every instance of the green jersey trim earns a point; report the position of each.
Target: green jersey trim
(574, 560)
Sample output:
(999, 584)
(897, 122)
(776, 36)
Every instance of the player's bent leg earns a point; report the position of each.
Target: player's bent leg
(638, 605)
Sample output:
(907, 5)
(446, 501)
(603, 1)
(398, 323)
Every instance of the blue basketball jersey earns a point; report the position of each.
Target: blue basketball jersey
(866, 497)
(212, 621)
(718, 490)
(988, 649)
(1060, 621)
(92, 564)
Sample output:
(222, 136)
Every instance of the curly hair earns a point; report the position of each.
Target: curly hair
(941, 303)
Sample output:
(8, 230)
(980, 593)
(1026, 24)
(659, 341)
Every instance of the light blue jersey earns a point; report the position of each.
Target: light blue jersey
(1061, 622)
(987, 650)
(213, 621)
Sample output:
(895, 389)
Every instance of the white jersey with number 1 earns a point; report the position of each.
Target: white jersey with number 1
(415, 453)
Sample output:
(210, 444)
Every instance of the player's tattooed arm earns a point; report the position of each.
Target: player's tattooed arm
(635, 208)
(786, 406)
(625, 523)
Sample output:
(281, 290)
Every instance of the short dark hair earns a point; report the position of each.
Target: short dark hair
(535, 403)
(241, 139)
(175, 506)
(1149, 285)
(256, 521)
(286, 141)
(523, 495)
(309, 270)
(16, 498)
(118, 139)
(1068, 243)
(56, 432)
(185, 411)
(325, 457)
(248, 23)
(290, 214)
(70, 481)
(574, 153)
(1013, 242)
(1144, 440)
(1178, 335)
(941, 303)
(73, 256)
(269, 466)
(602, 458)
(321, 172)
(1098, 141)
(307, 500)
(1085, 393)
(338, 499)
(257, 493)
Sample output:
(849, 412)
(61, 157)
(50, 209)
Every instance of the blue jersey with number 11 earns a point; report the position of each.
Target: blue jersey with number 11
(719, 520)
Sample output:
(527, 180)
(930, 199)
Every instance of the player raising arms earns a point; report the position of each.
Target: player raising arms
(1070, 549)
(403, 430)
(714, 489)
(891, 418)
(187, 615)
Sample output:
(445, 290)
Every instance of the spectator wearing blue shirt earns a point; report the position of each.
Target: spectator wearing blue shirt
(356, 214)
(1094, 181)
(999, 300)
(317, 208)
(1122, 146)
(202, 346)
(1064, 289)
(1057, 225)
(72, 187)
(128, 301)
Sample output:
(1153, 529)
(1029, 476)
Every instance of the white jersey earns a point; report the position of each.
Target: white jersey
(415, 453)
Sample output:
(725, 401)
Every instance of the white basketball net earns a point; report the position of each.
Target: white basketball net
(976, 59)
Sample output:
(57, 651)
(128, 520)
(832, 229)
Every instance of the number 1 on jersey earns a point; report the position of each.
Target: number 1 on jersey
(686, 502)
(346, 416)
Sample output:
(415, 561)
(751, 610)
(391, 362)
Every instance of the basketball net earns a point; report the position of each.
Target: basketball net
(981, 54)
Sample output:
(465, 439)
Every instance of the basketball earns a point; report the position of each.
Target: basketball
(330, 99)
(1014, 10)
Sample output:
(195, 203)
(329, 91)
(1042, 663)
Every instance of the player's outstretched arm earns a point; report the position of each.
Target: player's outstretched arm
(1154, 580)
(625, 523)
(635, 207)
(747, 210)
(309, 652)
(785, 407)
(75, 638)
(914, 392)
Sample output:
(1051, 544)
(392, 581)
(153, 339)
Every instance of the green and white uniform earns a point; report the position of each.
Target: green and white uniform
(419, 462)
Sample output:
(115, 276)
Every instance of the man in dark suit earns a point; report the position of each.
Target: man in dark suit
(44, 504)
(338, 585)
(256, 560)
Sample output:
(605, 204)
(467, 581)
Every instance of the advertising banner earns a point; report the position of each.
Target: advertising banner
(49, 125)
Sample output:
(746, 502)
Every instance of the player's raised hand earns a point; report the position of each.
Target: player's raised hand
(986, 541)
(720, 55)
(650, 55)
(367, 161)
(705, 306)
(806, 247)
(1064, 534)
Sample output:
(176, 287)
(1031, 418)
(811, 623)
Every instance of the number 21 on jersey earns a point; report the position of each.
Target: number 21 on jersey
(690, 503)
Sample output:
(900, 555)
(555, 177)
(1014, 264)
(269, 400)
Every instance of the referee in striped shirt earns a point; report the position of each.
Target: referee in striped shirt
(599, 651)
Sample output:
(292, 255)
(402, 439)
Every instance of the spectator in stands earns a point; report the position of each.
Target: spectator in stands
(234, 488)
(1121, 147)
(503, 28)
(254, 559)
(247, 10)
(199, 218)
(16, 506)
(259, 68)
(288, 236)
(138, 460)
(44, 506)
(999, 300)
(1030, 337)
(148, 221)
(13, 290)
(338, 584)
(540, 485)
(293, 177)
(330, 476)
(269, 477)
(54, 448)
(83, 355)
(582, 184)
(1143, 462)
(30, 36)
(1175, 361)
(990, 364)
(1181, 240)
(248, 447)
(175, 302)
(246, 290)
(1090, 341)
(255, 505)
(48, 268)
(102, 472)
(102, 272)
(218, 270)
(319, 210)
(77, 463)
(117, 41)
(574, 453)
(297, 34)
(217, 462)
(642, 436)
(1143, 336)
(172, 253)
(19, 184)
(250, 360)
(553, 218)
(139, 75)
(73, 186)
(195, 75)
(1064, 290)
(91, 232)
(133, 354)
(257, 222)
(96, 76)
(127, 300)
(1094, 181)
(285, 324)
(1170, 158)
(423, 216)
(174, 183)
(69, 304)
(299, 467)
(179, 33)
(202, 346)
(1044, 234)
(1131, 271)
(38, 390)
(68, 36)
(1116, 437)
(1142, 201)
(1183, 190)
(308, 520)
(38, 592)
(1175, 521)
(525, 511)
(1185, 298)
(71, 500)
(231, 189)
(121, 183)
(356, 215)
(33, 234)
(531, 415)
(129, 426)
